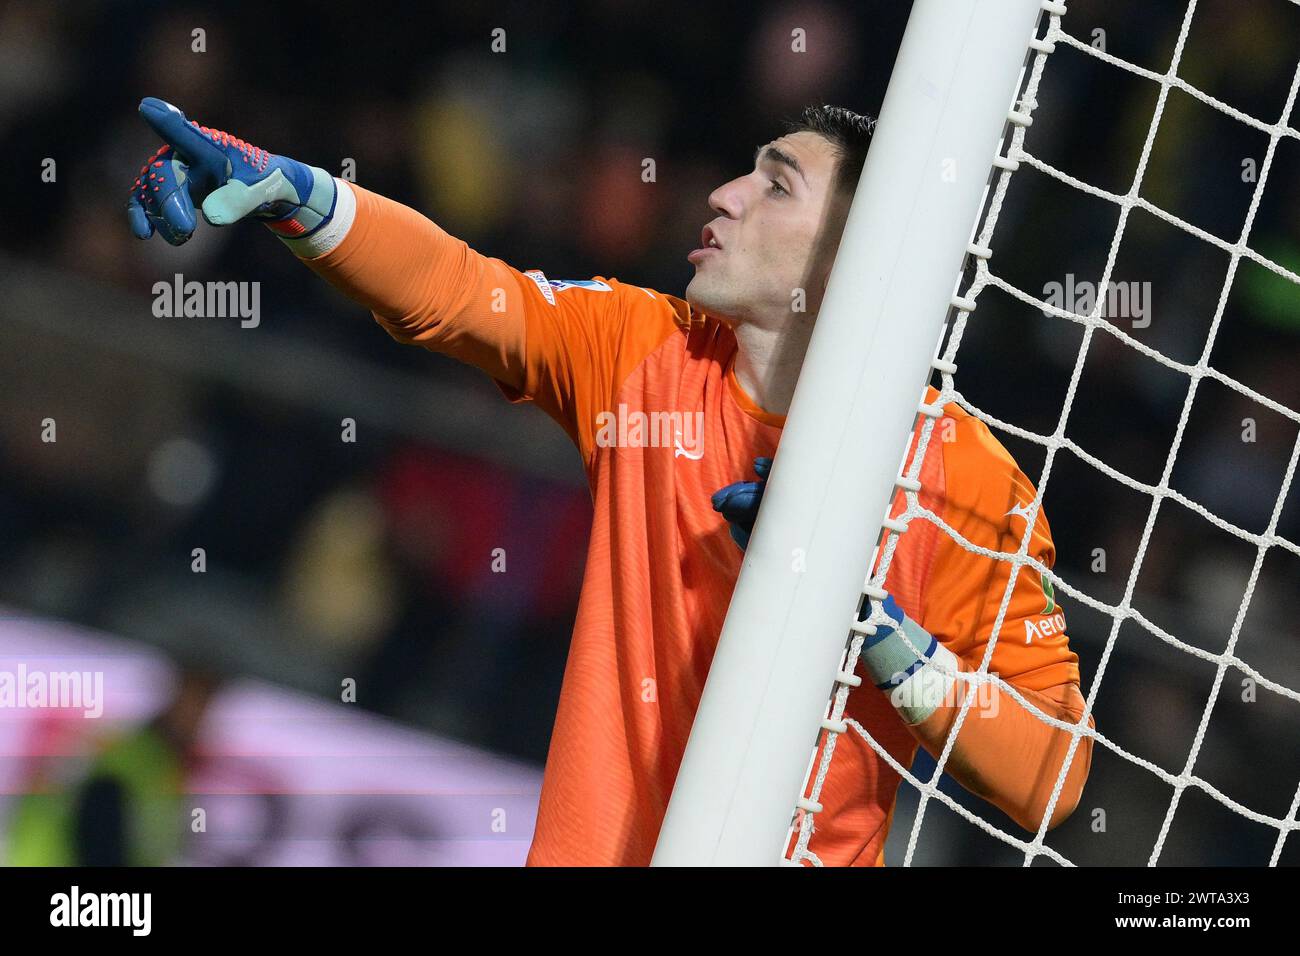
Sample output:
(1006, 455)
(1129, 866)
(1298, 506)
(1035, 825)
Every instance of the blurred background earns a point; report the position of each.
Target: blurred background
(365, 566)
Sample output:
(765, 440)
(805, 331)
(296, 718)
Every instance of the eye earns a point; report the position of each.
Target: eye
(778, 188)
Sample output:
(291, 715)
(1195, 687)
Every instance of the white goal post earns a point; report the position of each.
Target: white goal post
(946, 108)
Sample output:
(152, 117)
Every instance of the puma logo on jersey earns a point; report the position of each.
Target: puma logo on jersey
(680, 452)
(1020, 510)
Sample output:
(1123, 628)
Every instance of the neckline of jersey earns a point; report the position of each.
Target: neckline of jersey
(747, 404)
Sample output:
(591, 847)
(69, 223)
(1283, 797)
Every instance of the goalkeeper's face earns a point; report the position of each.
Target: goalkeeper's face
(765, 258)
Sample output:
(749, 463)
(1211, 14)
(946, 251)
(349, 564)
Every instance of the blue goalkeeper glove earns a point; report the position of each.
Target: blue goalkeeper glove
(226, 177)
(738, 502)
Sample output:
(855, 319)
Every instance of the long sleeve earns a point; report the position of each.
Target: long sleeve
(1010, 757)
(565, 345)
(1004, 752)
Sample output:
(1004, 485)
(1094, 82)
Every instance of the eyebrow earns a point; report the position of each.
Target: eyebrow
(772, 154)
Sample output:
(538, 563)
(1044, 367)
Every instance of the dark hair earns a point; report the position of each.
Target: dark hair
(849, 132)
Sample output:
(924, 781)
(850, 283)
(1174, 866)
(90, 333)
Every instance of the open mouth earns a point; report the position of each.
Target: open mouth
(708, 244)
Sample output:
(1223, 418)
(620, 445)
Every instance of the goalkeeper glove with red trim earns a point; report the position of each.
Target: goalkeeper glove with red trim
(227, 178)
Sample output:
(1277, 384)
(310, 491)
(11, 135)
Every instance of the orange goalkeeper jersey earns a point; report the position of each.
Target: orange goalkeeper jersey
(644, 385)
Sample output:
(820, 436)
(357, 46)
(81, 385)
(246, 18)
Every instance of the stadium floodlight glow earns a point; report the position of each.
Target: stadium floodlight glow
(948, 102)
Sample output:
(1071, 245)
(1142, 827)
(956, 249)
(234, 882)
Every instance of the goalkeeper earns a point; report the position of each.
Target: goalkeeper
(601, 357)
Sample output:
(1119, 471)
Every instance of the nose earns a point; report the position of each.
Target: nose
(728, 199)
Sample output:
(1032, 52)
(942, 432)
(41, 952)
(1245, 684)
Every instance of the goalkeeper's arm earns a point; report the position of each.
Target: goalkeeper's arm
(424, 286)
(562, 350)
(1004, 753)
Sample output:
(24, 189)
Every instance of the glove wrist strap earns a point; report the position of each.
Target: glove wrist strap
(911, 666)
(331, 228)
(314, 213)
